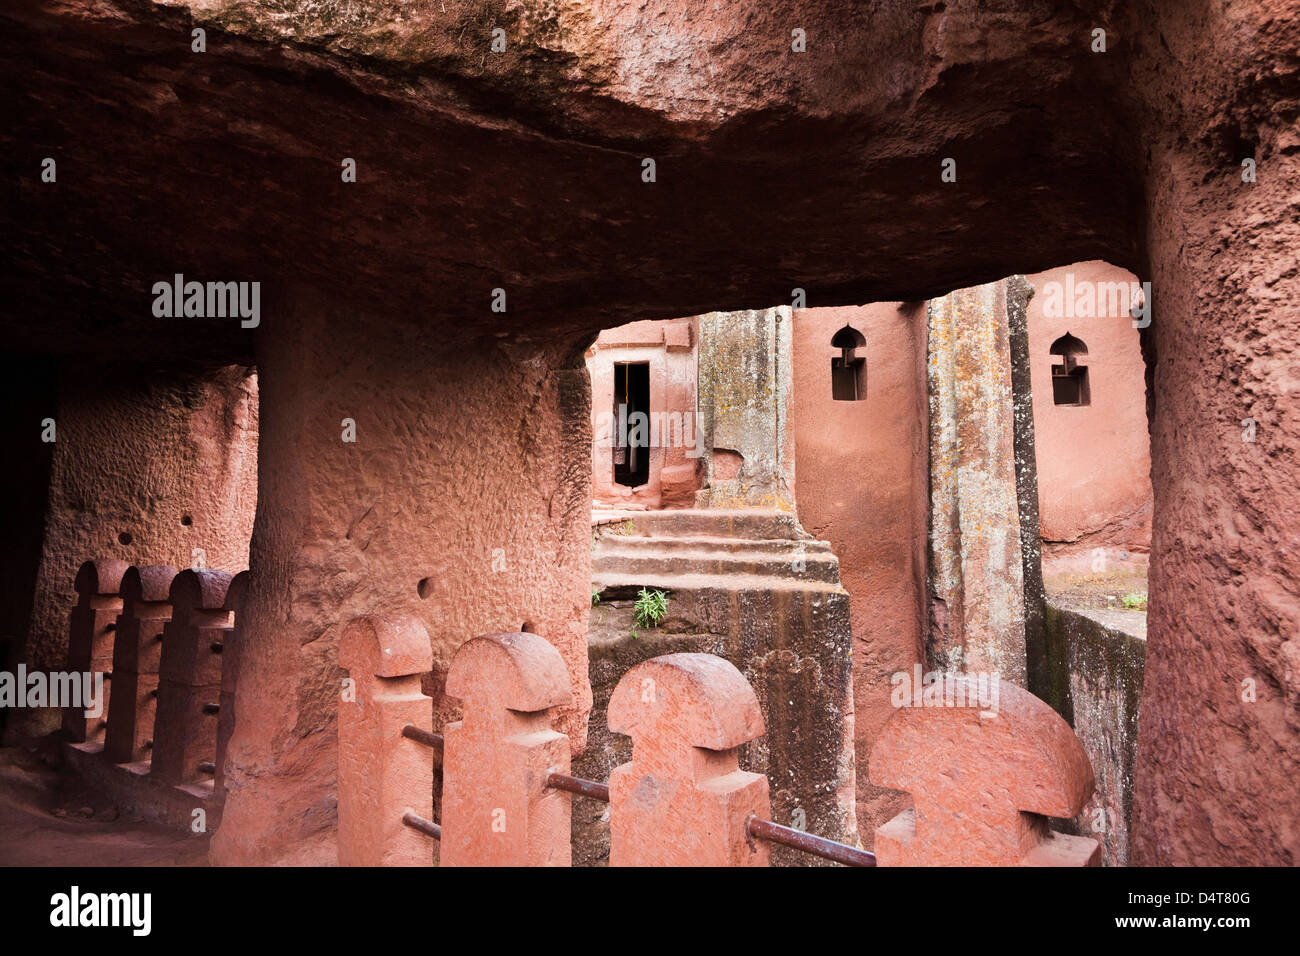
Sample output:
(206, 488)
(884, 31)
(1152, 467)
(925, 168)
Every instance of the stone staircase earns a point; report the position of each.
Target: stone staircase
(732, 550)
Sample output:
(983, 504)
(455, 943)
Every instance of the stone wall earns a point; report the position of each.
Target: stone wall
(1095, 682)
(745, 374)
(863, 487)
(975, 560)
(1094, 461)
(444, 478)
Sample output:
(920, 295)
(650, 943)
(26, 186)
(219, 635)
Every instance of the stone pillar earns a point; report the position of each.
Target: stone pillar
(189, 678)
(383, 775)
(90, 641)
(748, 446)
(977, 619)
(497, 808)
(985, 767)
(146, 609)
(235, 595)
(444, 477)
(683, 800)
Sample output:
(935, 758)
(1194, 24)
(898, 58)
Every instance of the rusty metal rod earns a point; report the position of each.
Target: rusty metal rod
(417, 822)
(817, 846)
(583, 788)
(412, 732)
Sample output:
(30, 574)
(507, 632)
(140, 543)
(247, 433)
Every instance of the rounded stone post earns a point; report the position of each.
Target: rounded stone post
(189, 677)
(146, 609)
(497, 808)
(985, 771)
(683, 799)
(90, 641)
(383, 775)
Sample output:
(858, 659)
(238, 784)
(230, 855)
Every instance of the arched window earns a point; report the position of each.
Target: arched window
(1069, 379)
(848, 371)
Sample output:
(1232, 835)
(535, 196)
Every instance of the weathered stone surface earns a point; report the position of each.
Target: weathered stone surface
(1095, 683)
(766, 598)
(383, 775)
(746, 374)
(682, 799)
(976, 572)
(91, 629)
(775, 170)
(497, 807)
(149, 467)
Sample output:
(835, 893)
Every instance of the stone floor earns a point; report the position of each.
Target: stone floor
(47, 819)
(1097, 586)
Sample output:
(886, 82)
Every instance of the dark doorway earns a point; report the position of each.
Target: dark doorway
(632, 418)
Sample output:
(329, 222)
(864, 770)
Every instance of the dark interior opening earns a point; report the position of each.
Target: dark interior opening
(1070, 379)
(632, 422)
(848, 372)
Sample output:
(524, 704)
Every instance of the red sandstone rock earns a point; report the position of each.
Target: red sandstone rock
(189, 677)
(1094, 461)
(137, 649)
(383, 775)
(983, 779)
(497, 808)
(90, 643)
(776, 168)
(682, 800)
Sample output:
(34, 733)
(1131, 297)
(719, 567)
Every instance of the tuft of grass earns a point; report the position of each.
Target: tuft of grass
(1135, 601)
(650, 607)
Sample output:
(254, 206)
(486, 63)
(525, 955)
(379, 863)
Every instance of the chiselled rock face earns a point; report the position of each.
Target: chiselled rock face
(614, 161)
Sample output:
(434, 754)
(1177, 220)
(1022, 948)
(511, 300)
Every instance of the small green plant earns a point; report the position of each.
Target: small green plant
(650, 607)
(1136, 600)
(626, 528)
(595, 597)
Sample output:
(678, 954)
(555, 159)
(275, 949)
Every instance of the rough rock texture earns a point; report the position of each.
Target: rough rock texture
(975, 567)
(984, 780)
(149, 467)
(463, 501)
(863, 486)
(1218, 776)
(745, 363)
(775, 170)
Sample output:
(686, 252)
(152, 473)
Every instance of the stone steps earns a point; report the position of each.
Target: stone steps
(615, 586)
(748, 524)
(723, 550)
(650, 560)
(636, 544)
